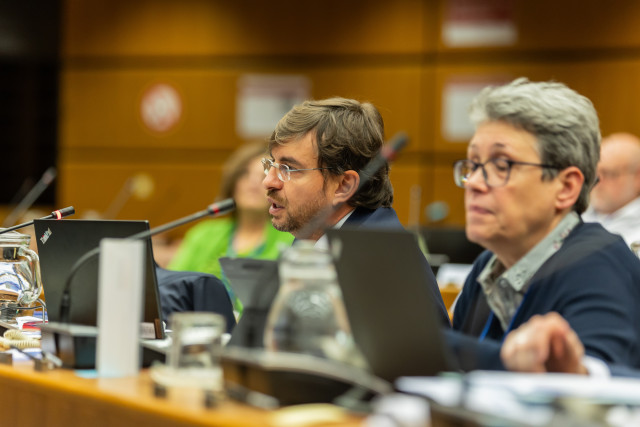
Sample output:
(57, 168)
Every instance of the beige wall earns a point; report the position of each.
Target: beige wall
(387, 52)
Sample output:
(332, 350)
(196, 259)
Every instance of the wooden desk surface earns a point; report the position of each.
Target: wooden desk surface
(62, 398)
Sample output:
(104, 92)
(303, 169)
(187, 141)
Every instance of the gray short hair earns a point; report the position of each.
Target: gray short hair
(564, 123)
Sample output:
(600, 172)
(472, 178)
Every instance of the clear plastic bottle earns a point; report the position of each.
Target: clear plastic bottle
(308, 314)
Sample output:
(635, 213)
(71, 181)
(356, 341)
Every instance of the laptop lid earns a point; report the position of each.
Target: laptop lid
(255, 282)
(450, 245)
(61, 243)
(390, 309)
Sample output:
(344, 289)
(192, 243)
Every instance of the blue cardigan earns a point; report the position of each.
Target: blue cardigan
(593, 281)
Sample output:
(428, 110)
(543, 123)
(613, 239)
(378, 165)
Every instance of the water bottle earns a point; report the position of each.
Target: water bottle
(308, 314)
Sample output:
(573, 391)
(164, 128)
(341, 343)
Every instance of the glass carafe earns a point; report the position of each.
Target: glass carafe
(308, 314)
(20, 283)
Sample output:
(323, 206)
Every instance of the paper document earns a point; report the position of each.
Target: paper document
(526, 398)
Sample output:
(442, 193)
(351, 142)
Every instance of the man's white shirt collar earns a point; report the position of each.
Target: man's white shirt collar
(323, 242)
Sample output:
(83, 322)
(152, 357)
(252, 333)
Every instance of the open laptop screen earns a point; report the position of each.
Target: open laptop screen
(61, 243)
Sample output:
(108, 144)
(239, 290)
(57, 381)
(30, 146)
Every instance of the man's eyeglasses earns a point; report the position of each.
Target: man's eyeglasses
(496, 172)
(284, 171)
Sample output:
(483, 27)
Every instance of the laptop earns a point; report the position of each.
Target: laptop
(255, 282)
(392, 315)
(62, 243)
(449, 245)
(385, 290)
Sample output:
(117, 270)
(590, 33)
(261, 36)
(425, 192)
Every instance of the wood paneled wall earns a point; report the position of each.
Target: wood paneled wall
(388, 52)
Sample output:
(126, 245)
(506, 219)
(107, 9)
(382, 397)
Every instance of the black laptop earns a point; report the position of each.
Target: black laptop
(392, 315)
(255, 282)
(386, 293)
(449, 245)
(62, 242)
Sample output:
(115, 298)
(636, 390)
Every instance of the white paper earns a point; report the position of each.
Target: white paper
(453, 274)
(526, 398)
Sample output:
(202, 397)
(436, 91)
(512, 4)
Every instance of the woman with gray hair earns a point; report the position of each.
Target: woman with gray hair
(527, 175)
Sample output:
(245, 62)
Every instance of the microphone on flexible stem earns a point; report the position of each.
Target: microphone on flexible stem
(213, 210)
(47, 178)
(385, 156)
(59, 214)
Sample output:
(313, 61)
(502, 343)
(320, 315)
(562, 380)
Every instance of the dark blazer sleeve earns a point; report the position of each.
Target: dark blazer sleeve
(472, 354)
(192, 291)
(624, 371)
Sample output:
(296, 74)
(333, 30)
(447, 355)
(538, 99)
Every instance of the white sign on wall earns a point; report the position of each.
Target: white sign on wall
(473, 23)
(457, 95)
(263, 99)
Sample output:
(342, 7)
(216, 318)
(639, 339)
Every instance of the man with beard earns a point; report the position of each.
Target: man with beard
(316, 151)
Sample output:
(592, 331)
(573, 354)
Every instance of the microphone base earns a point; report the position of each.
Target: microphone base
(76, 345)
(294, 379)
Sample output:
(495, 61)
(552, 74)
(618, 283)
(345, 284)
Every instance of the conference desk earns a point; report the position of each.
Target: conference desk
(62, 398)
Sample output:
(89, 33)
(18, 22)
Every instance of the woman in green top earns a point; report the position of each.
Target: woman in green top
(247, 233)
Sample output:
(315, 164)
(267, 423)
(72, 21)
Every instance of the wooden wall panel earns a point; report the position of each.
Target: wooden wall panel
(101, 108)
(445, 190)
(551, 25)
(405, 178)
(245, 27)
(583, 24)
(390, 88)
(429, 105)
(179, 189)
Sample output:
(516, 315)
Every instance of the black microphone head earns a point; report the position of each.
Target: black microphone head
(396, 144)
(61, 213)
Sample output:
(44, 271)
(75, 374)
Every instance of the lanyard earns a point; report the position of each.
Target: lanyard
(487, 326)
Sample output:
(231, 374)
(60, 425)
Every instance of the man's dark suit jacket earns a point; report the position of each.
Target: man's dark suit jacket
(193, 291)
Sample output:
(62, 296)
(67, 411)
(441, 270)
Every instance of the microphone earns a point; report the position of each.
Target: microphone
(47, 178)
(387, 154)
(213, 210)
(59, 214)
(139, 186)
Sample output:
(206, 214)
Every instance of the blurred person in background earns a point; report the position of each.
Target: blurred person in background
(615, 200)
(246, 233)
